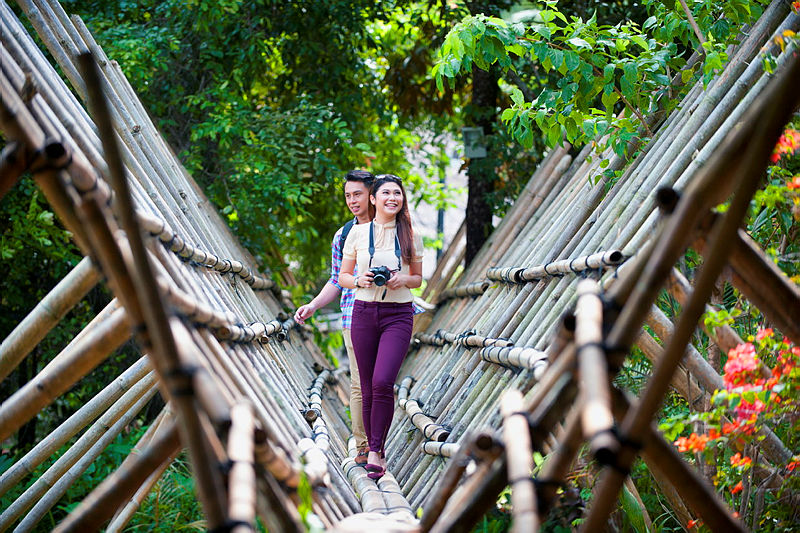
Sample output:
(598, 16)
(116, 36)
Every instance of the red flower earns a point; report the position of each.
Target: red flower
(741, 364)
(691, 523)
(737, 488)
(796, 6)
(787, 144)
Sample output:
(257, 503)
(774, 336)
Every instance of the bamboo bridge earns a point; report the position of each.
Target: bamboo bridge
(516, 357)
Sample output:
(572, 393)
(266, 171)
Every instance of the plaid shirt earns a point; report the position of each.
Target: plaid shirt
(348, 295)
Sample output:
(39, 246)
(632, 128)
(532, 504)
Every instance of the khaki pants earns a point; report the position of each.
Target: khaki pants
(356, 415)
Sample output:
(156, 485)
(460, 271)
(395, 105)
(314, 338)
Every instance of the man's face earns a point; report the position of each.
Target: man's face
(357, 197)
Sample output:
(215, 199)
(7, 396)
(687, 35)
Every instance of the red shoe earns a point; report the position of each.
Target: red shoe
(361, 456)
(374, 471)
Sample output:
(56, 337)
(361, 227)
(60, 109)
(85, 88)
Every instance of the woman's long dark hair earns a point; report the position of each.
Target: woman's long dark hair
(405, 233)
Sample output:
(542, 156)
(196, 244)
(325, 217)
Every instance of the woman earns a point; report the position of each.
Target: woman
(382, 313)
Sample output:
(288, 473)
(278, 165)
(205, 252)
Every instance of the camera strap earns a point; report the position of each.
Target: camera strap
(372, 251)
(372, 246)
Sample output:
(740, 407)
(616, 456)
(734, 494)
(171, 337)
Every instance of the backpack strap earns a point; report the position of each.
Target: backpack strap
(345, 230)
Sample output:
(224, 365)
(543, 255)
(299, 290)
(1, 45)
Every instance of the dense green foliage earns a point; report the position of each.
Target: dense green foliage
(585, 81)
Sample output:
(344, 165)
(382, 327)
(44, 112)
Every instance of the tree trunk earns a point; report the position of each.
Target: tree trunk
(481, 171)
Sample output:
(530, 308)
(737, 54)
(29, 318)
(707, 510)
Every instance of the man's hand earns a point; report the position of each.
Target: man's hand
(303, 312)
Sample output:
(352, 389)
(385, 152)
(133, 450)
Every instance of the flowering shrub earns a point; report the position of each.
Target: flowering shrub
(762, 390)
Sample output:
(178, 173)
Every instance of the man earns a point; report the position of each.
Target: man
(356, 195)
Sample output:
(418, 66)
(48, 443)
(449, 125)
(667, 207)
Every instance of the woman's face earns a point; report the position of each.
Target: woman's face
(388, 199)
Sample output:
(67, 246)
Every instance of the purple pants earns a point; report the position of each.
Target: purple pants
(381, 334)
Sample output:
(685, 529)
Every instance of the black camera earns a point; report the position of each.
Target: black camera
(381, 275)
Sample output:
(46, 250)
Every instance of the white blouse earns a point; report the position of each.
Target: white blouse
(357, 247)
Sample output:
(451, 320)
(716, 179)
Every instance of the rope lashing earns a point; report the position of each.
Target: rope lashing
(315, 462)
(430, 429)
(315, 396)
(468, 338)
(476, 288)
(518, 356)
(594, 261)
(444, 449)
(161, 230)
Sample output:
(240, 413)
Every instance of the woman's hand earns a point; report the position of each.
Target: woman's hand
(365, 280)
(397, 281)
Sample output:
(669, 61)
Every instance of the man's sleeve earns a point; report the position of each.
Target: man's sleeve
(336, 260)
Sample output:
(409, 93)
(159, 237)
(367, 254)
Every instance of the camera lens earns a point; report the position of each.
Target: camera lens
(379, 279)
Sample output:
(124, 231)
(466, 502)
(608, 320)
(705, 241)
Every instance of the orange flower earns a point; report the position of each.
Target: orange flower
(729, 427)
(794, 463)
(694, 443)
(738, 460)
(764, 333)
(692, 523)
(737, 488)
(796, 6)
(794, 183)
(713, 434)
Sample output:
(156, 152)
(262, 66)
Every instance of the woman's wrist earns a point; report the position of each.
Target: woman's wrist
(355, 282)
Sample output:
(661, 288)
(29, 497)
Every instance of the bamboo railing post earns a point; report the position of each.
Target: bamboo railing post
(209, 480)
(242, 476)
(596, 420)
(519, 458)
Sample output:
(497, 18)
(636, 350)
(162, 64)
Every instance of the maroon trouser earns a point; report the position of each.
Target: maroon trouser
(381, 334)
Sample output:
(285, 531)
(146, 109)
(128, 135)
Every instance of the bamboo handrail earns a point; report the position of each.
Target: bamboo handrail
(476, 288)
(518, 356)
(444, 449)
(594, 261)
(175, 243)
(468, 338)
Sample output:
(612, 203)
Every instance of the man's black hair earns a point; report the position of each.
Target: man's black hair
(364, 176)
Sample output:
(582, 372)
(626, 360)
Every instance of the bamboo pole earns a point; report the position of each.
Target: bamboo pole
(83, 416)
(62, 372)
(519, 459)
(154, 314)
(99, 506)
(242, 476)
(50, 487)
(763, 283)
(596, 419)
(558, 463)
(52, 308)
